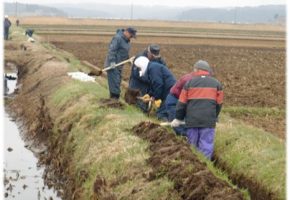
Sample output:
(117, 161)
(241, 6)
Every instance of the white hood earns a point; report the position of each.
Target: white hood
(142, 63)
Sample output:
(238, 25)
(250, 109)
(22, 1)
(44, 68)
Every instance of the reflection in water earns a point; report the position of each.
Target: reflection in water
(22, 176)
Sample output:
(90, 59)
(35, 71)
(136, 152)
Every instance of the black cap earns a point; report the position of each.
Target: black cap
(154, 49)
(132, 31)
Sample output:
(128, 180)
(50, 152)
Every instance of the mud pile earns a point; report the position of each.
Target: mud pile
(173, 157)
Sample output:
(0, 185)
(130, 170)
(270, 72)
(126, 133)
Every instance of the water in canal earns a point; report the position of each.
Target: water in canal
(22, 175)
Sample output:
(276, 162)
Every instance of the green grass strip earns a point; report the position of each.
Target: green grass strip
(252, 152)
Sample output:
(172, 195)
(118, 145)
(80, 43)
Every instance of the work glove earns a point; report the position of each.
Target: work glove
(176, 123)
(146, 98)
(157, 103)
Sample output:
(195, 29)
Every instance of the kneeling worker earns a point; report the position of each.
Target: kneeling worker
(160, 82)
(141, 83)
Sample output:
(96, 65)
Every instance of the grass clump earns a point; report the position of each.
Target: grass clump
(252, 152)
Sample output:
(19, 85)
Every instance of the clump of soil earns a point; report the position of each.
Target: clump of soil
(111, 103)
(102, 190)
(131, 96)
(173, 157)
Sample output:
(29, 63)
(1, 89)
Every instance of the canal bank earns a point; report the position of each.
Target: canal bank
(92, 151)
(22, 172)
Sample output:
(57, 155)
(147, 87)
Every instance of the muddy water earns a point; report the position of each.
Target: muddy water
(22, 175)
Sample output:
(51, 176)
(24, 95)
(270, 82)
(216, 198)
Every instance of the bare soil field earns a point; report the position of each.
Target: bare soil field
(249, 60)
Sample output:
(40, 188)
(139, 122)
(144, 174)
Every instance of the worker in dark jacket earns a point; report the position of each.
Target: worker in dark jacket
(199, 105)
(118, 51)
(7, 25)
(152, 52)
(160, 81)
(29, 32)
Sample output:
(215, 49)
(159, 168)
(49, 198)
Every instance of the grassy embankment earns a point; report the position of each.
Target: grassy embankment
(251, 153)
(246, 150)
(103, 145)
(102, 141)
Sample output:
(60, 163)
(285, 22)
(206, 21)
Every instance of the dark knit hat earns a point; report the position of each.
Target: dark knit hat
(154, 49)
(202, 65)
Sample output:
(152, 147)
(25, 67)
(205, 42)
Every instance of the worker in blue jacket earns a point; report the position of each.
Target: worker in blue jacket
(160, 81)
(7, 25)
(118, 51)
(152, 52)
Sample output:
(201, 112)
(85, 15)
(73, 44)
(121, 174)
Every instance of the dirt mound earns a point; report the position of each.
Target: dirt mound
(110, 103)
(173, 157)
(131, 96)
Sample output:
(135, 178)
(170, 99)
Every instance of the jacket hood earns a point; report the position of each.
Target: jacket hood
(142, 63)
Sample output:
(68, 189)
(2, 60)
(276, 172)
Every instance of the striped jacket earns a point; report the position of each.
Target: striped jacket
(200, 101)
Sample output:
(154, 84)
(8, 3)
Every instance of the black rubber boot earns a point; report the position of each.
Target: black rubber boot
(114, 96)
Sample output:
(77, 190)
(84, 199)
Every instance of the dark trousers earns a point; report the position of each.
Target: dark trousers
(161, 112)
(114, 81)
(170, 104)
(6, 33)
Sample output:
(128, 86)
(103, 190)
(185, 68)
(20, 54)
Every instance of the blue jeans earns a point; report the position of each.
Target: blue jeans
(202, 139)
(162, 113)
(170, 104)
(143, 106)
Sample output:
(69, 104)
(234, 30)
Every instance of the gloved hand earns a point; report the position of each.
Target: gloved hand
(176, 123)
(146, 98)
(157, 103)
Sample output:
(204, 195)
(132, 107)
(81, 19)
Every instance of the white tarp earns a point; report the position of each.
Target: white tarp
(81, 76)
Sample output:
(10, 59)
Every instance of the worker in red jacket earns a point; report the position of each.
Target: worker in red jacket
(172, 99)
(199, 105)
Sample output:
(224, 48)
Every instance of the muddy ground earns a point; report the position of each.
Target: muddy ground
(252, 73)
(173, 157)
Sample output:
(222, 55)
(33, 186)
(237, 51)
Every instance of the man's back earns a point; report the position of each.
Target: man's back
(202, 96)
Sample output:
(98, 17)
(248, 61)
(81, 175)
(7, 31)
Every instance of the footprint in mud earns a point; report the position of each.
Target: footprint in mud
(110, 103)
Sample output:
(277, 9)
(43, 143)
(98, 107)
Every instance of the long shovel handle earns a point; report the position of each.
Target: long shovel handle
(169, 123)
(118, 64)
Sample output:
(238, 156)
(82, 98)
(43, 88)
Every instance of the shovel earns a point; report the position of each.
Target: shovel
(169, 123)
(99, 72)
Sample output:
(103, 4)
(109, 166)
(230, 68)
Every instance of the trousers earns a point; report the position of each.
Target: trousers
(202, 139)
